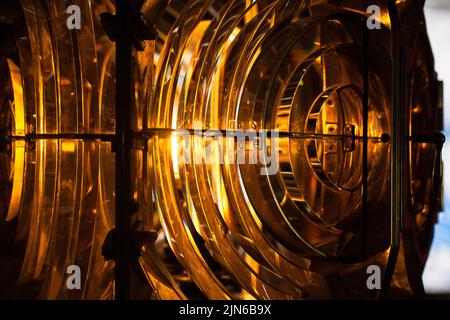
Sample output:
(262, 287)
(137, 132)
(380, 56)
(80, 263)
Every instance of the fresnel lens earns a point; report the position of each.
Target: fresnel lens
(262, 158)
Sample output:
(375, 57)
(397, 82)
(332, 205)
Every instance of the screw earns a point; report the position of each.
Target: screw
(385, 138)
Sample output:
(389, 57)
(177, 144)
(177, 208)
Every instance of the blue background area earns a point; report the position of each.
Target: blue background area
(437, 271)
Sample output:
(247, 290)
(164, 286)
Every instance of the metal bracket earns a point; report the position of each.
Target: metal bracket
(141, 29)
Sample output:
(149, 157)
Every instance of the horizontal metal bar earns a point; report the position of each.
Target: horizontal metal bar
(437, 138)
(148, 133)
(56, 136)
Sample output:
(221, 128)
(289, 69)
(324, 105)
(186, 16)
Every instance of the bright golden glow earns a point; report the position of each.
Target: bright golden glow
(18, 111)
(214, 227)
(18, 106)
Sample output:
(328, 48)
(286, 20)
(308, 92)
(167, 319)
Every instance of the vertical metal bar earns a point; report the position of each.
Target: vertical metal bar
(397, 147)
(122, 148)
(365, 170)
